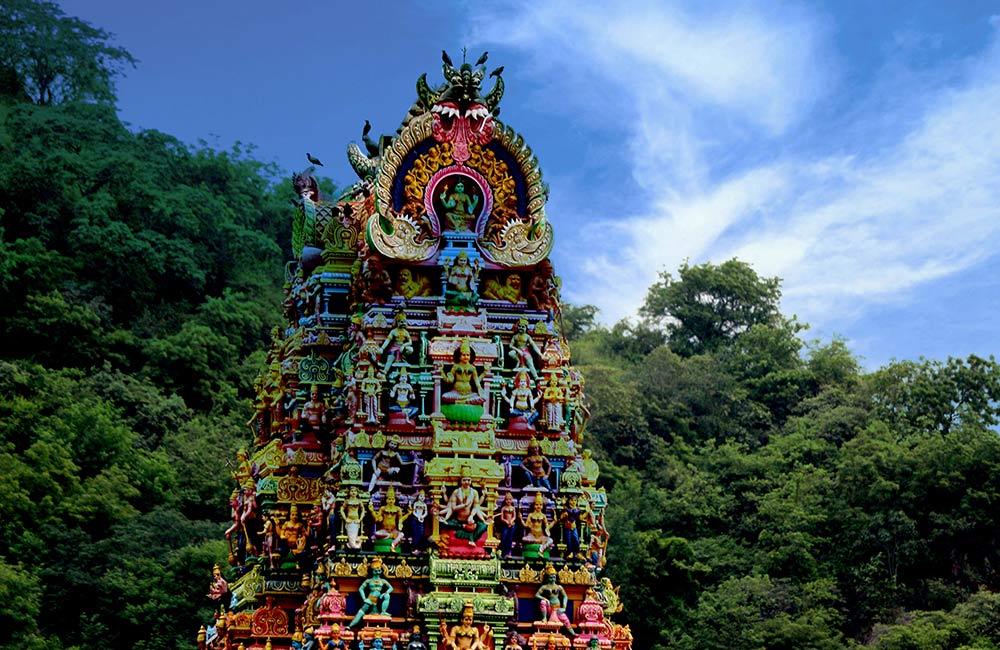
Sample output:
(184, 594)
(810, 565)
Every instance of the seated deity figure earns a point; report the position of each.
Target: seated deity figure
(461, 208)
(402, 396)
(397, 343)
(463, 513)
(389, 519)
(312, 416)
(522, 402)
(386, 463)
(536, 526)
(411, 285)
(463, 378)
(465, 636)
(293, 531)
(460, 287)
(510, 290)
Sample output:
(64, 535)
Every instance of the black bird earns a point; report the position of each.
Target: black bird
(497, 72)
(482, 59)
(368, 128)
(313, 159)
(446, 59)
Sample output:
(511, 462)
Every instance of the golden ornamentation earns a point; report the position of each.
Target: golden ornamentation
(298, 489)
(410, 240)
(566, 576)
(527, 574)
(523, 244)
(403, 571)
(342, 568)
(419, 175)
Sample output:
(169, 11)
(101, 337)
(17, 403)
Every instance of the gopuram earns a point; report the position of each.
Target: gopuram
(417, 476)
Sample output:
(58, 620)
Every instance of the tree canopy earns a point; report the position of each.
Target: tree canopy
(51, 58)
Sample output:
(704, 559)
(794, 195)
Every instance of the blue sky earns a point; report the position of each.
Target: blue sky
(851, 148)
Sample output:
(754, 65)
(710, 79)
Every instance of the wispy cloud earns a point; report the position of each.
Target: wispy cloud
(718, 109)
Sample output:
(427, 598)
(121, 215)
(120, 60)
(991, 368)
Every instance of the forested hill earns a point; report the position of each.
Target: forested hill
(767, 494)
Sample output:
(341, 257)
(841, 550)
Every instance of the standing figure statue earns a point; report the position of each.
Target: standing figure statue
(521, 348)
(370, 386)
(508, 518)
(352, 513)
(553, 398)
(552, 600)
(537, 467)
(374, 594)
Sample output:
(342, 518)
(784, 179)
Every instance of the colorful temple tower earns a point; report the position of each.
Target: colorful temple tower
(417, 475)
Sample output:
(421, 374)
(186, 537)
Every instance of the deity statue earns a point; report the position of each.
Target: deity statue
(508, 519)
(386, 463)
(370, 387)
(416, 641)
(376, 281)
(510, 290)
(389, 519)
(512, 641)
(552, 600)
(335, 642)
(374, 593)
(463, 513)
(553, 398)
(397, 342)
(465, 636)
(536, 467)
(463, 377)
(315, 526)
(219, 586)
(269, 540)
(522, 402)
(410, 284)
(402, 394)
(570, 520)
(543, 290)
(418, 517)
(352, 513)
(293, 531)
(461, 207)
(521, 347)
(328, 504)
(461, 278)
(312, 416)
(536, 526)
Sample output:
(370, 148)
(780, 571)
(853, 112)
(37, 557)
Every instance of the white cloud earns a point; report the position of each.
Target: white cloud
(841, 228)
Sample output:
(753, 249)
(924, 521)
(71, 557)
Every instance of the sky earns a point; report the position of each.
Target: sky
(851, 148)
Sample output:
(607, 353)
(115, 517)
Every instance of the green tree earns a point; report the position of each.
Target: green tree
(52, 58)
(709, 305)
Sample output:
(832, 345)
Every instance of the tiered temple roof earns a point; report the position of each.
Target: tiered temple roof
(417, 474)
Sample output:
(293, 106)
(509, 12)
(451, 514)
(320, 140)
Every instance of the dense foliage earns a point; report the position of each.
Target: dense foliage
(139, 278)
(781, 497)
(767, 494)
